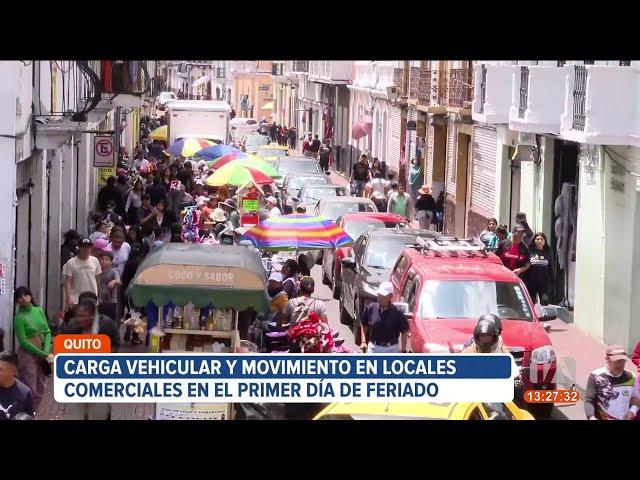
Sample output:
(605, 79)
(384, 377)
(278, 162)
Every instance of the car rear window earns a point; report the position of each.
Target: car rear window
(301, 166)
(355, 228)
(335, 210)
(471, 299)
(384, 252)
(314, 195)
(272, 152)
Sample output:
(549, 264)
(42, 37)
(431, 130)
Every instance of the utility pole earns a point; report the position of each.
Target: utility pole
(403, 123)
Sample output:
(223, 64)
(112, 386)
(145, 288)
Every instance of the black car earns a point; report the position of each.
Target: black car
(374, 255)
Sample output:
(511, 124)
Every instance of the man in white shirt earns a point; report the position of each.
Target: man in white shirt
(81, 274)
(121, 251)
(274, 211)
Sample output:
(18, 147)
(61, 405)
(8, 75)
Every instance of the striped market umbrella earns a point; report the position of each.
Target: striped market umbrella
(256, 163)
(217, 151)
(238, 175)
(189, 146)
(226, 158)
(297, 232)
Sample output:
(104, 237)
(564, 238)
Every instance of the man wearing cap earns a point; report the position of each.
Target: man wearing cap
(277, 296)
(199, 190)
(382, 323)
(612, 393)
(274, 211)
(81, 274)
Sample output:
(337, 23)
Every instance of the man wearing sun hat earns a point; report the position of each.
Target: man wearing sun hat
(382, 323)
(272, 206)
(612, 392)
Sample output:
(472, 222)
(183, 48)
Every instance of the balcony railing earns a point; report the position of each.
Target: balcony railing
(483, 88)
(125, 77)
(414, 82)
(69, 88)
(424, 88)
(579, 97)
(460, 87)
(300, 66)
(277, 69)
(524, 91)
(397, 77)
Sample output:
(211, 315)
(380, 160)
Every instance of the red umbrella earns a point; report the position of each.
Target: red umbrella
(362, 128)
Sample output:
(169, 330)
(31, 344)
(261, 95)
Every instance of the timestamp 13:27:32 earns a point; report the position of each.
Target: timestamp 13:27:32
(551, 396)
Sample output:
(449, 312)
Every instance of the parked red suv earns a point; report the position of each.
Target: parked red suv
(447, 284)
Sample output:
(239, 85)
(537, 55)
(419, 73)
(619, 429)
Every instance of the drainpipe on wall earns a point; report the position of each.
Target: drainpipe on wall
(402, 174)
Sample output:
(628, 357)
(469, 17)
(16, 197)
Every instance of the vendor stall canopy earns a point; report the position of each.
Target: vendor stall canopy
(222, 275)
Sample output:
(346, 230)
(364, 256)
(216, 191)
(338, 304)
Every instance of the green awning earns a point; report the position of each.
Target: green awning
(223, 275)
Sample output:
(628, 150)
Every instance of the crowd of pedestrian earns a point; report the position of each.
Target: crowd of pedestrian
(371, 180)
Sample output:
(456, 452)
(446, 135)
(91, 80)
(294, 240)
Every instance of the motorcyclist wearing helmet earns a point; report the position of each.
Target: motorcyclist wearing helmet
(487, 336)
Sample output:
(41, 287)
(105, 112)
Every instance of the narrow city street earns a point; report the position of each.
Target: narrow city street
(174, 205)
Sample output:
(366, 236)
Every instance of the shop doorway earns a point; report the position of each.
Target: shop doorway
(564, 231)
(462, 178)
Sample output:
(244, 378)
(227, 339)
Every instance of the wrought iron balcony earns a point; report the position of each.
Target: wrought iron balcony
(483, 87)
(460, 87)
(424, 87)
(67, 89)
(300, 66)
(524, 91)
(397, 77)
(579, 97)
(277, 69)
(414, 82)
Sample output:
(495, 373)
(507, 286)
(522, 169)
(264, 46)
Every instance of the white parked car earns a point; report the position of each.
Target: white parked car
(243, 126)
(163, 98)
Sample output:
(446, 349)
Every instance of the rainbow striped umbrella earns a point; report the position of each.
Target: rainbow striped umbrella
(256, 163)
(226, 158)
(189, 146)
(238, 175)
(297, 232)
(217, 151)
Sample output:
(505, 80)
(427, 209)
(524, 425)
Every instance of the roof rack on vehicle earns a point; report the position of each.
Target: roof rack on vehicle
(453, 246)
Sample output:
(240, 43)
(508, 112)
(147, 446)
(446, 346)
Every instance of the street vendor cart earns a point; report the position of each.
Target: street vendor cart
(193, 294)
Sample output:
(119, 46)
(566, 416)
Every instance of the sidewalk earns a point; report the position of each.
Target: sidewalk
(577, 352)
(52, 410)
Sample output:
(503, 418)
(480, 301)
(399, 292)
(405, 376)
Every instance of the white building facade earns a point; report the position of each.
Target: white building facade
(51, 112)
(567, 154)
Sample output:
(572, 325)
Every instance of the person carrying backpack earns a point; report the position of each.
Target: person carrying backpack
(297, 309)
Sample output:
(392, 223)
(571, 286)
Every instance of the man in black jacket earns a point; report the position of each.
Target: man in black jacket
(110, 193)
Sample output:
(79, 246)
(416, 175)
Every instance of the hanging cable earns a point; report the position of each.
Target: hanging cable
(609, 152)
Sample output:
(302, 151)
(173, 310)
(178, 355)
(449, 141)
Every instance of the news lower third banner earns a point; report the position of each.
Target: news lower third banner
(272, 378)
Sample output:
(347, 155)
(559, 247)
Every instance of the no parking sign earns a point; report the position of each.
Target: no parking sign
(104, 151)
